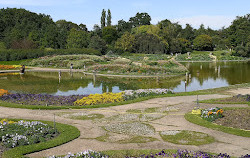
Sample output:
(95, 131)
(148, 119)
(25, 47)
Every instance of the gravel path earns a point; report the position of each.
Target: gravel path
(231, 144)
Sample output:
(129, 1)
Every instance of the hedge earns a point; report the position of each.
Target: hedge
(19, 54)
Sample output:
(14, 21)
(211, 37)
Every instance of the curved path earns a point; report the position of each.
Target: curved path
(226, 143)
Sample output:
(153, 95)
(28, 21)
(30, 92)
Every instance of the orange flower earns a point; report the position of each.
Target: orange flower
(2, 92)
(209, 113)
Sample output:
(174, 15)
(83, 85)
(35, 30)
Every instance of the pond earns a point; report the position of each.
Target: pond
(202, 76)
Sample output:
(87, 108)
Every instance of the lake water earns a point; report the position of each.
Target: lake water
(202, 76)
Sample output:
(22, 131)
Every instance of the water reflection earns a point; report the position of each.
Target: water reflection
(202, 76)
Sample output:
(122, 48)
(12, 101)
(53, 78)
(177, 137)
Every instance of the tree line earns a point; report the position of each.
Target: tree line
(22, 29)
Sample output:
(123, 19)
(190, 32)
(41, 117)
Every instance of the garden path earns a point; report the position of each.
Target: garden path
(174, 120)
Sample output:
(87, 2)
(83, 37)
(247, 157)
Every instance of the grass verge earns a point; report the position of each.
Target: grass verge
(67, 133)
(219, 101)
(200, 92)
(196, 119)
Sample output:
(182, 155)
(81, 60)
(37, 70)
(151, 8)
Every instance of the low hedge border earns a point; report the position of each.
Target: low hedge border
(67, 133)
(196, 119)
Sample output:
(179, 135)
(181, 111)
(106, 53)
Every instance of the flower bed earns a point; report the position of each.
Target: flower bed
(9, 67)
(162, 154)
(13, 134)
(133, 94)
(104, 98)
(212, 114)
(41, 99)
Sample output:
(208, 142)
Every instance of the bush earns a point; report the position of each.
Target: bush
(19, 54)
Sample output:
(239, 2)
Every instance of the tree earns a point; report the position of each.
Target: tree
(103, 19)
(97, 43)
(140, 19)
(77, 39)
(150, 44)
(122, 27)
(126, 42)
(203, 42)
(239, 31)
(109, 34)
(188, 33)
(149, 29)
(109, 18)
(180, 45)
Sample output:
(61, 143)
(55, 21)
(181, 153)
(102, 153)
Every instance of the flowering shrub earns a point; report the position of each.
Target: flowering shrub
(9, 67)
(40, 99)
(212, 114)
(2, 92)
(84, 154)
(104, 98)
(133, 94)
(13, 134)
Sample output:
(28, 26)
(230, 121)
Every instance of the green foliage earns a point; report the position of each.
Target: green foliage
(193, 57)
(67, 133)
(203, 42)
(77, 39)
(239, 31)
(19, 54)
(2, 45)
(109, 34)
(109, 18)
(140, 19)
(150, 44)
(126, 42)
(97, 43)
(103, 19)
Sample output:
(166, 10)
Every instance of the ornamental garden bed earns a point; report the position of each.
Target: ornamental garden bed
(230, 120)
(20, 137)
(92, 100)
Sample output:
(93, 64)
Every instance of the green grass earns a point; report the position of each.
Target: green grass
(136, 111)
(218, 101)
(19, 62)
(137, 139)
(87, 117)
(151, 110)
(67, 133)
(200, 92)
(196, 119)
(132, 139)
(134, 153)
(189, 138)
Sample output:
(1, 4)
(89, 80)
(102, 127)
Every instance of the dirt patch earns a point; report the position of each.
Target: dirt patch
(238, 118)
(2, 149)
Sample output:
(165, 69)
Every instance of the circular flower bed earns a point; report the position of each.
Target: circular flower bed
(13, 134)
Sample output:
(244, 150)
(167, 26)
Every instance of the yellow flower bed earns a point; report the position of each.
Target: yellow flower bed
(104, 98)
(5, 120)
(2, 92)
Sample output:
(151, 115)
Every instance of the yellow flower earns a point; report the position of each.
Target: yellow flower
(104, 98)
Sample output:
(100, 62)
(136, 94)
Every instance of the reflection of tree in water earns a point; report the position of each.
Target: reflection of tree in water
(232, 72)
(47, 82)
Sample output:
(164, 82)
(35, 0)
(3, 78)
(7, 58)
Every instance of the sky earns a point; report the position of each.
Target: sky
(212, 13)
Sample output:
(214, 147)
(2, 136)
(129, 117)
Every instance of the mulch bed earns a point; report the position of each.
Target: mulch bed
(238, 118)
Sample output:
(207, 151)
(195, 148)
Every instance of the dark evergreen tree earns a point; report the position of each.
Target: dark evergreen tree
(109, 18)
(103, 19)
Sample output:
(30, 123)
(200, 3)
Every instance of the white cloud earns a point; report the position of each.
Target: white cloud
(214, 22)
